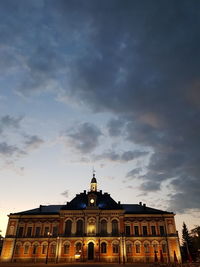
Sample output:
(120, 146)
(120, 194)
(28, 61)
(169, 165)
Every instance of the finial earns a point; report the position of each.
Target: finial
(93, 170)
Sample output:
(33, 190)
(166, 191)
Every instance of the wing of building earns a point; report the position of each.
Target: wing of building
(92, 227)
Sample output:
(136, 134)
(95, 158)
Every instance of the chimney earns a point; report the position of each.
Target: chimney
(144, 205)
(140, 203)
(84, 191)
(119, 203)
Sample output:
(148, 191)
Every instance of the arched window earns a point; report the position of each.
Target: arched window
(17, 249)
(26, 249)
(79, 227)
(146, 248)
(35, 249)
(155, 247)
(44, 249)
(137, 247)
(103, 227)
(129, 248)
(164, 247)
(78, 248)
(115, 248)
(68, 227)
(66, 248)
(115, 227)
(103, 247)
(53, 249)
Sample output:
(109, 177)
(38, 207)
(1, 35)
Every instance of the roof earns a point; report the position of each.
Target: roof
(103, 201)
(48, 210)
(142, 209)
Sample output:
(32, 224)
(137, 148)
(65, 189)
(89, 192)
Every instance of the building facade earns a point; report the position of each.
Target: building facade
(92, 227)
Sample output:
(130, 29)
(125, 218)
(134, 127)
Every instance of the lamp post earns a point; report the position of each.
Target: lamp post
(48, 234)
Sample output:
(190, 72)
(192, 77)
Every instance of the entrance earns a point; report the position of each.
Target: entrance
(90, 251)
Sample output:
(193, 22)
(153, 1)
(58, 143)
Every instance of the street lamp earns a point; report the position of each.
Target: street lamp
(49, 235)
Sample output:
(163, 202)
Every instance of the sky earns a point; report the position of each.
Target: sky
(107, 85)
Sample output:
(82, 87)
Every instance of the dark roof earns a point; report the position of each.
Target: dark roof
(94, 180)
(142, 209)
(50, 209)
(103, 201)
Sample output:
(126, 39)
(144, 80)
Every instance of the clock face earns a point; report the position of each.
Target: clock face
(92, 200)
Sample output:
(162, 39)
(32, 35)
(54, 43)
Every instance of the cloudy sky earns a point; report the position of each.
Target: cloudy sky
(110, 85)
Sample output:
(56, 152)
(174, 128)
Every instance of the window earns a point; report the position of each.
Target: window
(136, 230)
(68, 227)
(103, 247)
(162, 231)
(144, 229)
(44, 249)
(78, 248)
(164, 248)
(137, 248)
(128, 230)
(26, 249)
(146, 248)
(29, 231)
(103, 227)
(66, 248)
(153, 230)
(20, 231)
(37, 231)
(53, 249)
(115, 248)
(55, 231)
(115, 227)
(155, 247)
(35, 248)
(79, 227)
(46, 230)
(17, 249)
(129, 248)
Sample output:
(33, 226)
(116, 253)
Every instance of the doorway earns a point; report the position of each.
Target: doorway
(90, 251)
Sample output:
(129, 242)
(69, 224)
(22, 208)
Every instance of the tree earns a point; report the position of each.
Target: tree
(195, 233)
(187, 244)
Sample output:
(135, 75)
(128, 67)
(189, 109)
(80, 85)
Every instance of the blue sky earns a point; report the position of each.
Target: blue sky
(111, 85)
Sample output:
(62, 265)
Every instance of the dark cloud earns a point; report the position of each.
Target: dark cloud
(85, 137)
(9, 122)
(138, 60)
(115, 127)
(33, 141)
(7, 150)
(123, 157)
(134, 173)
(65, 193)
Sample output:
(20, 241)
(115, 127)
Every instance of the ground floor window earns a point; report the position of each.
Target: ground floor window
(115, 248)
(66, 248)
(103, 247)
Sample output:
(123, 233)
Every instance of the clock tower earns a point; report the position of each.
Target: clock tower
(93, 184)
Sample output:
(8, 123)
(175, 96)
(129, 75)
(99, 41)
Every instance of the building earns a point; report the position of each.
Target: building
(92, 227)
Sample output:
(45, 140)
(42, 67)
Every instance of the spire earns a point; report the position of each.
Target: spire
(93, 184)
